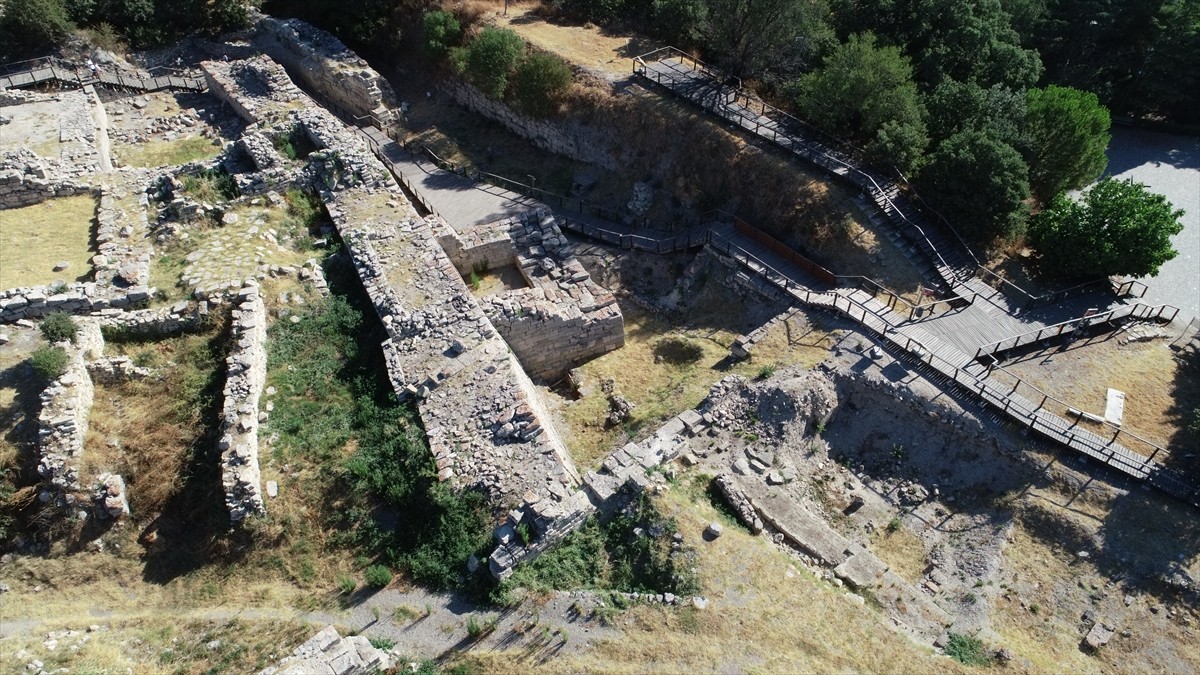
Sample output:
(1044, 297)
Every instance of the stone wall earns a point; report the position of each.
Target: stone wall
(563, 318)
(63, 421)
(245, 376)
(25, 181)
(575, 140)
(328, 653)
(178, 318)
(325, 65)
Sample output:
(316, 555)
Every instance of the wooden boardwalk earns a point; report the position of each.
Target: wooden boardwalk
(930, 348)
(72, 76)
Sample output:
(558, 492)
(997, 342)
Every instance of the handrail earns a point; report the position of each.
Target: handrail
(1136, 311)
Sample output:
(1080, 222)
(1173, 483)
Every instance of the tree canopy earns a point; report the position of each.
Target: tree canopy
(1068, 134)
(1118, 227)
(979, 183)
(539, 82)
(866, 92)
(489, 59)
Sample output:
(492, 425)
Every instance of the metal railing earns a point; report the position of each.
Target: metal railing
(1135, 312)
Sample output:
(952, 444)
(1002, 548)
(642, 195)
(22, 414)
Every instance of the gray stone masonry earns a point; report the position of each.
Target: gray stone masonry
(583, 143)
(63, 421)
(328, 653)
(26, 180)
(563, 318)
(485, 425)
(244, 380)
(178, 318)
(327, 66)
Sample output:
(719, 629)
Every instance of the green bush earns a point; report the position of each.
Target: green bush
(539, 83)
(28, 26)
(59, 327)
(967, 650)
(489, 59)
(378, 576)
(442, 31)
(346, 585)
(49, 363)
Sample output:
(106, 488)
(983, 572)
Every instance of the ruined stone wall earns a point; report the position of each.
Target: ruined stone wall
(575, 140)
(63, 420)
(245, 376)
(178, 318)
(550, 341)
(325, 65)
(25, 181)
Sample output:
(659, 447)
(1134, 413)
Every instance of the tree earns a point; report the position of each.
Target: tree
(681, 22)
(489, 59)
(441, 31)
(539, 82)
(1068, 134)
(751, 35)
(30, 26)
(867, 92)
(1117, 228)
(962, 106)
(979, 183)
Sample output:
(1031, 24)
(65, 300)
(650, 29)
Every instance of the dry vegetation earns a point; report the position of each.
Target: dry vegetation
(1156, 387)
(659, 387)
(36, 238)
(596, 49)
(765, 614)
(169, 153)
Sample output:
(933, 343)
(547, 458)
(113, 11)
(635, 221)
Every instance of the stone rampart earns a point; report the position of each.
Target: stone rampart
(583, 143)
(245, 376)
(325, 65)
(63, 421)
(25, 180)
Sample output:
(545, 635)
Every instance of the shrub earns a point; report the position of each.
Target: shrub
(382, 643)
(346, 585)
(378, 576)
(59, 327)
(477, 629)
(441, 30)
(967, 650)
(540, 82)
(489, 59)
(49, 363)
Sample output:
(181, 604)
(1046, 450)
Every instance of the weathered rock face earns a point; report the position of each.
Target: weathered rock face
(245, 377)
(329, 652)
(583, 143)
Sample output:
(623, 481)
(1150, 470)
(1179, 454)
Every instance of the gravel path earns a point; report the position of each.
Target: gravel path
(1169, 165)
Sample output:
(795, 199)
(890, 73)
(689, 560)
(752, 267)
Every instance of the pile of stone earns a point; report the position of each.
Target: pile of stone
(328, 653)
(123, 260)
(245, 376)
(739, 502)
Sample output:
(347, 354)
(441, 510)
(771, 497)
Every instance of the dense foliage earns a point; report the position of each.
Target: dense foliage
(489, 59)
(441, 30)
(540, 82)
(1068, 134)
(58, 327)
(332, 396)
(979, 183)
(866, 92)
(31, 27)
(1117, 228)
(49, 363)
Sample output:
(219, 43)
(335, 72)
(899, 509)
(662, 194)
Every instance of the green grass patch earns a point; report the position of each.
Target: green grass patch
(967, 650)
(335, 412)
(632, 552)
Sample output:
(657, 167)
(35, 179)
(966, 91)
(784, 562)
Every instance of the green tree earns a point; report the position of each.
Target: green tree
(866, 92)
(1118, 227)
(979, 183)
(1068, 133)
(750, 36)
(680, 22)
(441, 30)
(31, 26)
(962, 106)
(489, 59)
(540, 82)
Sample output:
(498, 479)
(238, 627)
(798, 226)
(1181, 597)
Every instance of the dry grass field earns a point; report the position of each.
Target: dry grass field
(36, 238)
